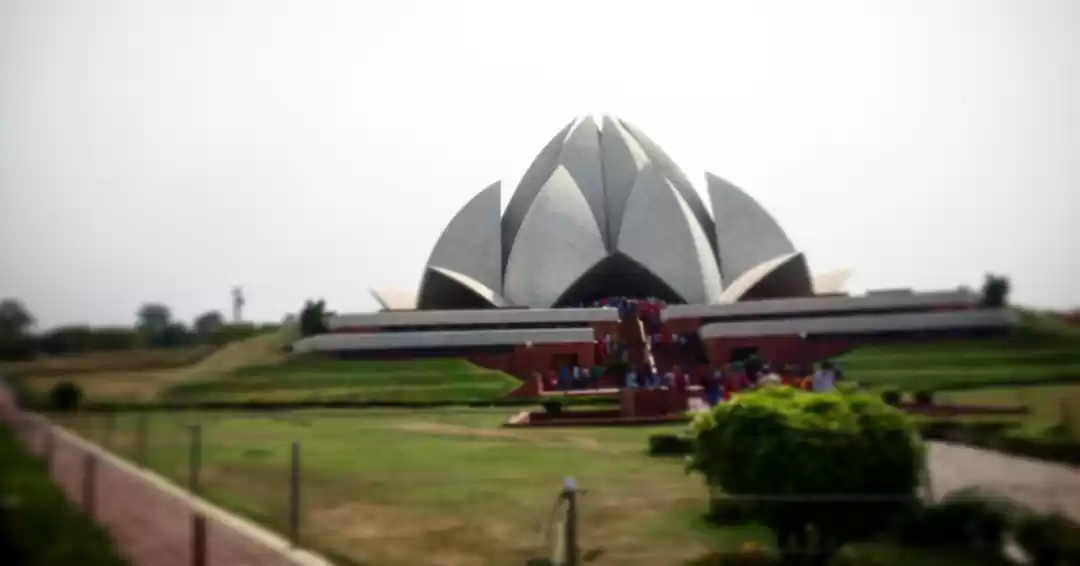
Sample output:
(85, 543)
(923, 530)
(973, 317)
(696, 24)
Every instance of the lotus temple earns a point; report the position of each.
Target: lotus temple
(602, 215)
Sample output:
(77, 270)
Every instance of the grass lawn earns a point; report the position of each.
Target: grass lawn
(444, 486)
(436, 486)
(965, 364)
(1049, 404)
(437, 379)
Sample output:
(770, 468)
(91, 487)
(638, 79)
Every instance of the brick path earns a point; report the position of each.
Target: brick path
(151, 523)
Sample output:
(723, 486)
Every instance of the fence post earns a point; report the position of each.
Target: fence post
(49, 447)
(110, 426)
(195, 458)
(89, 483)
(928, 480)
(141, 440)
(294, 496)
(198, 539)
(570, 526)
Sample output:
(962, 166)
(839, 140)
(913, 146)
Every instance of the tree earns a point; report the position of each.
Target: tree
(65, 396)
(313, 318)
(15, 319)
(153, 318)
(174, 334)
(820, 469)
(16, 343)
(67, 340)
(208, 322)
(995, 291)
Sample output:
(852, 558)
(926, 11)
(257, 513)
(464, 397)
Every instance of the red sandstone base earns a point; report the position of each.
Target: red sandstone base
(638, 407)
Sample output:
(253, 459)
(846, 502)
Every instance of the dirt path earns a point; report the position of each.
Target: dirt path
(1043, 486)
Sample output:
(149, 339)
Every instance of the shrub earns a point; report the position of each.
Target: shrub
(725, 510)
(1043, 538)
(821, 461)
(670, 445)
(552, 406)
(891, 398)
(924, 398)
(749, 554)
(65, 396)
(966, 519)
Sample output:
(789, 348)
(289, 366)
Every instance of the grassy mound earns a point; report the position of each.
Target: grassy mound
(308, 379)
(1043, 350)
(121, 383)
(118, 361)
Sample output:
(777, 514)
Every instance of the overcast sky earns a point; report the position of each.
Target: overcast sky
(167, 150)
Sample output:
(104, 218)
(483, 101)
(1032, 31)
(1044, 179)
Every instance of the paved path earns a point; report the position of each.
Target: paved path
(151, 519)
(1040, 485)
(151, 526)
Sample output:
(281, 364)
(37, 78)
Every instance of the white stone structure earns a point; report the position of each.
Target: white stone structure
(603, 210)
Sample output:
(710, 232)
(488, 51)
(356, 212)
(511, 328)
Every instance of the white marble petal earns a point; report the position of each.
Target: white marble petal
(623, 159)
(531, 182)
(786, 276)
(394, 299)
(471, 244)
(746, 234)
(558, 242)
(580, 156)
(659, 231)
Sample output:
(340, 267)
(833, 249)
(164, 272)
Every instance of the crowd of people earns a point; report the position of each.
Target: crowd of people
(751, 374)
(574, 377)
(718, 385)
(647, 309)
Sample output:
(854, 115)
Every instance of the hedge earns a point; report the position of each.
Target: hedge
(1002, 437)
(670, 445)
(39, 526)
(35, 402)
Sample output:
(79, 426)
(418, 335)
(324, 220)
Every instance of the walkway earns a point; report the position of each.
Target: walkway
(150, 518)
(1042, 486)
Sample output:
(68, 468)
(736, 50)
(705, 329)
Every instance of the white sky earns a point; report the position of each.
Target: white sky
(167, 150)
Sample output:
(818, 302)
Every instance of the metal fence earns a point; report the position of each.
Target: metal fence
(366, 516)
(153, 522)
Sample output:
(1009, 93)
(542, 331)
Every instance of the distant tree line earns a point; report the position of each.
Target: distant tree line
(155, 327)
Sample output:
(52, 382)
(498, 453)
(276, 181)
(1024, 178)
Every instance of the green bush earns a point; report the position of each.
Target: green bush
(924, 398)
(966, 520)
(65, 396)
(1047, 538)
(552, 406)
(891, 398)
(725, 510)
(670, 445)
(841, 465)
(747, 556)
(38, 524)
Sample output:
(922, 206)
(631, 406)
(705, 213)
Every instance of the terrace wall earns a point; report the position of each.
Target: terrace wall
(778, 350)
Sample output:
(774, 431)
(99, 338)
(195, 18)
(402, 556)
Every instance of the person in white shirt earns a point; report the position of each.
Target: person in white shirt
(824, 379)
(769, 377)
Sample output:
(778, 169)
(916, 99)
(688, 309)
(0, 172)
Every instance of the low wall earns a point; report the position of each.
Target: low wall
(153, 521)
